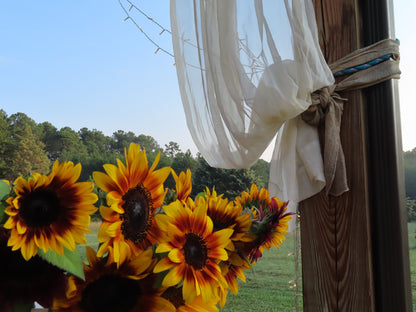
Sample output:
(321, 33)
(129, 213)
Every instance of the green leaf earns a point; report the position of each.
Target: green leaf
(21, 307)
(3, 215)
(4, 194)
(201, 194)
(4, 189)
(70, 261)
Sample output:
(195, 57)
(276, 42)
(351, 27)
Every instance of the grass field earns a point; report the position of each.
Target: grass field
(270, 285)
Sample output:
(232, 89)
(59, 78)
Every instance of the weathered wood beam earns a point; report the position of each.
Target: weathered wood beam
(335, 232)
(354, 247)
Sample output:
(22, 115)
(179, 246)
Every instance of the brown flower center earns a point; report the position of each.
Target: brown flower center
(40, 208)
(174, 295)
(196, 251)
(222, 224)
(110, 293)
(138, 213)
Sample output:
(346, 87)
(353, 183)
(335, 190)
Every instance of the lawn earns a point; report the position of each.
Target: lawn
(270, 285)
(412, 255)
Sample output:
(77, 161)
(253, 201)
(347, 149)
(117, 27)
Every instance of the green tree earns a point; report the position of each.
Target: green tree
(172, 149)
(409, 158)
(147, 142)
(26, 152)
(95, 141)
(31, 156)
(230, 182)
(122, 140)
(411, 209)
(7, 148)
(71, 147)
(262, 170)
(183, 161)
(49, 135)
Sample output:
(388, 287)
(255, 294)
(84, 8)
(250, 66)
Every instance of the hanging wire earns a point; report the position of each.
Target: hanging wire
(256, 66)
(162, 30)
(129, 17)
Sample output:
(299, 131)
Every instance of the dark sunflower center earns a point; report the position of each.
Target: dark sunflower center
(40, 208)
(174, 295)
(137, 217)
(110, 293)
(221, 224)
(196, 251)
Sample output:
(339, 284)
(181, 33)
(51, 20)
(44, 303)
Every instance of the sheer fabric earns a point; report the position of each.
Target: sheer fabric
(246, 70)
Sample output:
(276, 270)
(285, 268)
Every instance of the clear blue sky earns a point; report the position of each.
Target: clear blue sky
(76, 63)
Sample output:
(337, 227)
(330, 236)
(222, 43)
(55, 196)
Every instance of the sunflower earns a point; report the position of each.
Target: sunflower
(194, 251)
(270, 227)
(134, 192)
(127, 288)
(26, 281)
(50, 212)
(225, 214)
(183, 185)
(254, 199)
(174, 295)
(233, 268)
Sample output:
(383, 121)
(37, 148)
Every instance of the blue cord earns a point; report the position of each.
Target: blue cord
(364, 66)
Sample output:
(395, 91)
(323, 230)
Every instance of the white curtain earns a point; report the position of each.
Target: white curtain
(246, 70)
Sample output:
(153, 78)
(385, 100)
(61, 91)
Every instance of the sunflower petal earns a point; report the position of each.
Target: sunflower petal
(175, 255)
(174, 276)
(163, 265)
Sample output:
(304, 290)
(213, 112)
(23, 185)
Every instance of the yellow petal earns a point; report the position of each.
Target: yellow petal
(175, 255)
(114, 229)
(67, 240)
(10, 224)
(102, 232)
(21, 229)
(109, 214)
(163, 247)
(173, 277)
(163, 265)
(91, 256)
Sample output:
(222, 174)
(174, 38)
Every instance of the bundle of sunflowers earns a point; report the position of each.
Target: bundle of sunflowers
(154, 254)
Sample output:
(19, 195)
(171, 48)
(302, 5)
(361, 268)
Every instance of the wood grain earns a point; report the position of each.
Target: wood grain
(336, 245)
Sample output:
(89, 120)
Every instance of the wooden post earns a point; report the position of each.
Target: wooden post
(338, 265)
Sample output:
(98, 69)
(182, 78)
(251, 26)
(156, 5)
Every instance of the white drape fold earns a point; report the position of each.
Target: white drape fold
(246, 70)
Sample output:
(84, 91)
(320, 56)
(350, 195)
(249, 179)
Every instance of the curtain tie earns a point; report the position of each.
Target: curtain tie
(368, 66)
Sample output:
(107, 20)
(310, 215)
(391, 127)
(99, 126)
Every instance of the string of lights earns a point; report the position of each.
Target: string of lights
(163, 29)
(254, 68)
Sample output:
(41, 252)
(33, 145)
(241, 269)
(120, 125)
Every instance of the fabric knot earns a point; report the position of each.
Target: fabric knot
(327, 105)
(321, 99)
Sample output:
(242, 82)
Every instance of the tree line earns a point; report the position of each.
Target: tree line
(409, 159)
(27, 147)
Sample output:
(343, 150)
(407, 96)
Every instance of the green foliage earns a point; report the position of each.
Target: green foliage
(21, 307)
(70, 261)
(411, 209)
(410, 172)
(230, 182)
(4, 194)
(172, 149)
(262, 169)
(21, 151)
(27, 147)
